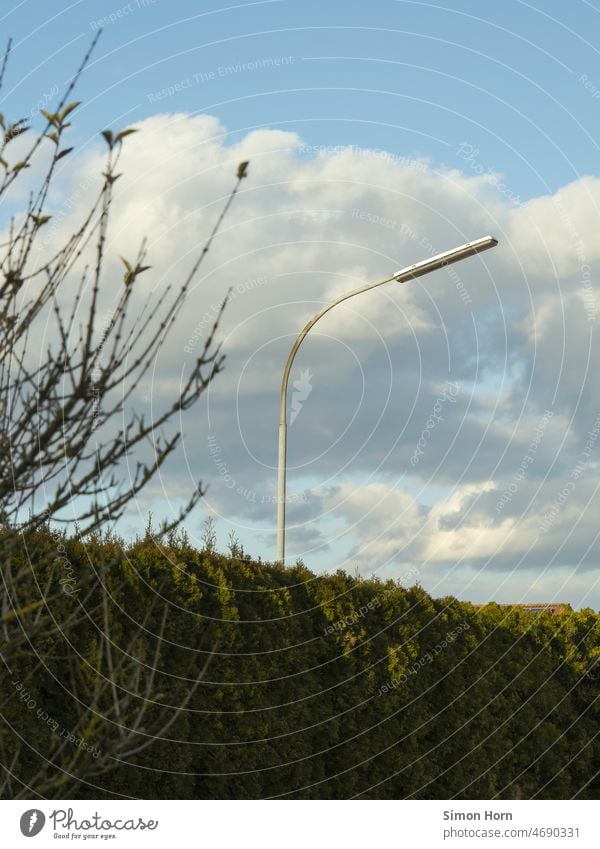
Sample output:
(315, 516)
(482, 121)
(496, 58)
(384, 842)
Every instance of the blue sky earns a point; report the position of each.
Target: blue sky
(479, 117)
(409, 77)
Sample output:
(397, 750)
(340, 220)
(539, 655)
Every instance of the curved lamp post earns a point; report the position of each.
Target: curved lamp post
(408, 273)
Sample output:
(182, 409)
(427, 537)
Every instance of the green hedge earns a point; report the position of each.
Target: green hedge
(318, 686)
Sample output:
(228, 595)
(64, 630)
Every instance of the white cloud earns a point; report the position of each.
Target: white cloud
(513, 328)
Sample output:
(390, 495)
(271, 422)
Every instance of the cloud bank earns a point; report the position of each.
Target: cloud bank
(449, 424)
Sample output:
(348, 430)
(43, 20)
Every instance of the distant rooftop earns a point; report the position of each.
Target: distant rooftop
(558, 608)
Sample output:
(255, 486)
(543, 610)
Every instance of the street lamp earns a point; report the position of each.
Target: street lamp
(408, 273)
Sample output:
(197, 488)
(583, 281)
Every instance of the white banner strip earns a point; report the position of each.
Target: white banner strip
(302, 824)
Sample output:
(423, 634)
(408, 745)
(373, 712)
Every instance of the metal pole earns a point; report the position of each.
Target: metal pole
(408, 273)
(281, 488)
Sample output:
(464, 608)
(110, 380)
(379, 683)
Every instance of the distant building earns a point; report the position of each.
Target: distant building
(557, 608)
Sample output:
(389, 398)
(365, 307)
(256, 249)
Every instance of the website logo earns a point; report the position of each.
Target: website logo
(32, 822)
(302, 389)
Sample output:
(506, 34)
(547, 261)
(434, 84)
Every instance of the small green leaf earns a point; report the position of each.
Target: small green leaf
(41, 219)
(53, 136)
(108, 137)
(14, 130)
(50, 117)
(63, 153)
(120, 136)
(19, 166)
(68, 109)
(242, 170)
(129, 275)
